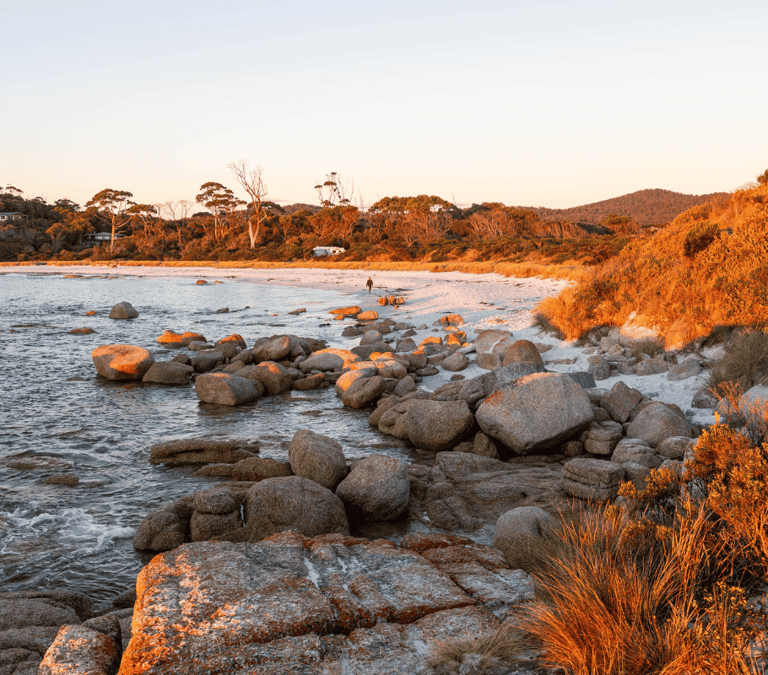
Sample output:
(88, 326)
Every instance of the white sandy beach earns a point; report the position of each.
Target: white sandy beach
(483, 300)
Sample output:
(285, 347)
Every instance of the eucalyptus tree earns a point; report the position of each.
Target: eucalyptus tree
(221, 202)
(112, 206)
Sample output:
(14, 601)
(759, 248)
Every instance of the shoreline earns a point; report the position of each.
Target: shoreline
(484, 299)
(506, 269)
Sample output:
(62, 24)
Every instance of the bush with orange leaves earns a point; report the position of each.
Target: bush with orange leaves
(708, 268)
(660, 585)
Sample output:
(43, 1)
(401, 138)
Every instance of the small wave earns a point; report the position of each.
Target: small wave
(72, 528)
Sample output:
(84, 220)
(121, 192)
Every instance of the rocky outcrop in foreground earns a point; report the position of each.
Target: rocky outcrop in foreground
(290, 604)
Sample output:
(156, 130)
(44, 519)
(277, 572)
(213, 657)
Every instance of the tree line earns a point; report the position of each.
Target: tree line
(218, 225)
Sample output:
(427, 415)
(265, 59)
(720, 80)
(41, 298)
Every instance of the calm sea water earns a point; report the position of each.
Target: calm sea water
(57, 416)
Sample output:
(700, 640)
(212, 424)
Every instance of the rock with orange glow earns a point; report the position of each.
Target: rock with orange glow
(274, 378)
(329, 359)
(78, 650)
(169, 337)
(333, 603)
(122, 362)
(536, 411)
(235, 338)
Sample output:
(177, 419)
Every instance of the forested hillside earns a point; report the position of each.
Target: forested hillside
(645, 207)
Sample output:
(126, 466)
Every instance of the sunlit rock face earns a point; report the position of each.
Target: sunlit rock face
(122, 362)
(299, 605)
(536, 411)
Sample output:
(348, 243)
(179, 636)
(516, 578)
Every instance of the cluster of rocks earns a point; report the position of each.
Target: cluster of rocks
(46, 631)
(614, 353)
(315, 492)
(285, 586)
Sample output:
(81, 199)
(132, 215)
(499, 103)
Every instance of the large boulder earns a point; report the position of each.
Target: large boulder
(122, 362)
(329, 359)
(364, 391)
(620, 401)
(535, 412)
(274, 378)
(165, 529)
(29, 623)
(123, 310)
(490, 346)
(455, 362)
(658, 422)
(432, 425)
(225, 389)
(522, 351)
(292, 503)
(168, 372)
(272, 349)
(477, 389)
(169, 337)
(216, 515)
(188, 337)
(318, 458)
(377, 488)
(519, 531)
(690, 367)
(347, 379)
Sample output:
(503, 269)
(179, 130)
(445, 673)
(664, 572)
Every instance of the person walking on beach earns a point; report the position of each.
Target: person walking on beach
(369, 284)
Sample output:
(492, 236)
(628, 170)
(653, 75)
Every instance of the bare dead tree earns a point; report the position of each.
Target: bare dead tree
(423, 225)
(494, 224)
(333, 191)
(253, 184)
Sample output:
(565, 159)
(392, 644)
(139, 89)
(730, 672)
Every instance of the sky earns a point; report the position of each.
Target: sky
(529, 103)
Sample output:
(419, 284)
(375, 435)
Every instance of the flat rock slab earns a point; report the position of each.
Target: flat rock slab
(201, 451)
(299, 605)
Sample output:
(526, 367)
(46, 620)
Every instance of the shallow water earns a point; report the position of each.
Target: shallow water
(57, 416)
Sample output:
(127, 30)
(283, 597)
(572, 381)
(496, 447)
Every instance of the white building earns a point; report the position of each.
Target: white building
(100, 236)
(327, 250)
(6, 216)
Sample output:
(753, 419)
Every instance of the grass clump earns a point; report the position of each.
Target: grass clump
(647, 346)
(744, 363)
(660, 586)
(493, 653)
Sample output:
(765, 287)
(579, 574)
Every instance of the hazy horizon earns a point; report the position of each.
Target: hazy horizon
(554, 104)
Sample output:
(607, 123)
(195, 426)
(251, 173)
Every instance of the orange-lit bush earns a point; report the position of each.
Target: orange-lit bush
(708, 268)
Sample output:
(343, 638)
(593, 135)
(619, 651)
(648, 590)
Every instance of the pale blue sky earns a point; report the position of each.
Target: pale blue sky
(528, 103)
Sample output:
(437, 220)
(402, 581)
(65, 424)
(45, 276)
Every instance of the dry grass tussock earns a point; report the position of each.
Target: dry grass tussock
(744, 364)
(520, 270)
(493, 653)
(660, 585)
(708, 268)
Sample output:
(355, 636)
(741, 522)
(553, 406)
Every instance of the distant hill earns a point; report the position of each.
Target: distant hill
(645, 207)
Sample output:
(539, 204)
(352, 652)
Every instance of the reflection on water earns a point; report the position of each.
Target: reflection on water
(58, 417)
